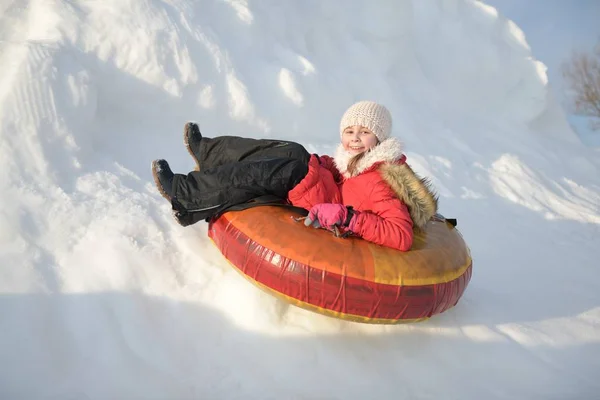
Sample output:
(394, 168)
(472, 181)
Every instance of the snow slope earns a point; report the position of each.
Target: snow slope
(103, 295)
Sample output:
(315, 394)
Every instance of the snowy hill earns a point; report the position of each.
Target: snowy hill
(103, 295)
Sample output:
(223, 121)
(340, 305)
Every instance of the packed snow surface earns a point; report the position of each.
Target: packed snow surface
(103, 295)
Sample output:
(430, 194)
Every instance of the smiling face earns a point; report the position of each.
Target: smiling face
(358, 139)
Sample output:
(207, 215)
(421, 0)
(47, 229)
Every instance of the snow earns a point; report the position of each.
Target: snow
(103, 295)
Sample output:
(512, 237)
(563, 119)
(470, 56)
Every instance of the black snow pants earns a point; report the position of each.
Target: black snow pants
(235, 170)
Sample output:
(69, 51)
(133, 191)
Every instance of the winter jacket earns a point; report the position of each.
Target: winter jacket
(320, 185)
(390, 198)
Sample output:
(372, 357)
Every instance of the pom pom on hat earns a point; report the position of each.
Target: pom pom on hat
(370, 115)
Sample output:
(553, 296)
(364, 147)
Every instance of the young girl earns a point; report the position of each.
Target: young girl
(367, 189)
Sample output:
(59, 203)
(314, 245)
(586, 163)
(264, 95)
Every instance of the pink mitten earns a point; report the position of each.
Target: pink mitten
(326, 215)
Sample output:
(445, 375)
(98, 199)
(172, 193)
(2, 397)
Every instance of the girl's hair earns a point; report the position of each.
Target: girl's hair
(351, 168)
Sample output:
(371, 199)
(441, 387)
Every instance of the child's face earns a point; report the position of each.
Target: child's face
(358, 139)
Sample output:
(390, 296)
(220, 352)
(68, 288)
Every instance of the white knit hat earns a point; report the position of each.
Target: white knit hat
(370, 115)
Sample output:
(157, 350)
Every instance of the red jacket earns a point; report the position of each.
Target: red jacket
(320, 185)
(381, 191)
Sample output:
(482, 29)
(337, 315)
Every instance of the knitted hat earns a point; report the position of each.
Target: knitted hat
(370, 115)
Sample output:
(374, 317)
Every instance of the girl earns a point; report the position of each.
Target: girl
(367, 189)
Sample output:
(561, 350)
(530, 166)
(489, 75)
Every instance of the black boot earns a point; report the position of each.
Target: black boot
(191, 139)
(163, 177)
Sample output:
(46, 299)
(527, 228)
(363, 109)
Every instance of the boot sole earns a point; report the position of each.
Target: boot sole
(186, 141)
(157, 182)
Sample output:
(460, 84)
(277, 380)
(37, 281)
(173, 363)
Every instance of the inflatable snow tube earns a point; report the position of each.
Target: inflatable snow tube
(348, 278)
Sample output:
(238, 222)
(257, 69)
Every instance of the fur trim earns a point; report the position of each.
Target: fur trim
(390, 150)
(414, 191)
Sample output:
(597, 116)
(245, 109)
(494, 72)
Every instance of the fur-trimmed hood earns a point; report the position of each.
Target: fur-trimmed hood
(414, 191)
(390, 150)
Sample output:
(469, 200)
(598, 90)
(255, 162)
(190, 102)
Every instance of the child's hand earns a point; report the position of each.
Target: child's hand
(327, 215)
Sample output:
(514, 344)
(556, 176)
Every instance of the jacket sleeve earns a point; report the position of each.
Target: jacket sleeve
(318, 186)
(328, 163)
(388, 223)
